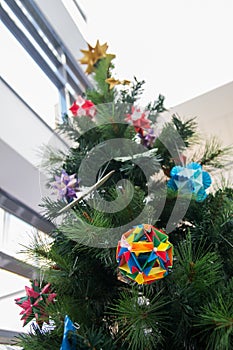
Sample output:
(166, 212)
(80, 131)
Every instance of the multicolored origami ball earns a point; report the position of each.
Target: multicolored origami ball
(144, 254)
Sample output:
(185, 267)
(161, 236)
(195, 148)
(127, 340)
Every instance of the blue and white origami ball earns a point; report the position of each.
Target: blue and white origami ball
(190, 179)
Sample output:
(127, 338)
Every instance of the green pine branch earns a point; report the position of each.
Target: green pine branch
(132, 94)
(68, 128)
(197, 269)
(38, 340)
(215, 320)
(186, 129)
(195, 273)
(102, 93)
(51, 208)
(51, 159)
(214, 154)
(140, 318)
(157, 106)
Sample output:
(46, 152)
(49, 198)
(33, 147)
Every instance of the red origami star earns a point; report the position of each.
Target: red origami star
(35, 302)
(82, 107)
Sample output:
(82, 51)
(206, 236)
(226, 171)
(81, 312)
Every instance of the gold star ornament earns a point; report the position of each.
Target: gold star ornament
(93, 55)
(113, 82)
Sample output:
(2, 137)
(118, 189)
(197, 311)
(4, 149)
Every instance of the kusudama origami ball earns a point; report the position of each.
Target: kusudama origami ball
(144, 254)
(35, 302)
(190, 179)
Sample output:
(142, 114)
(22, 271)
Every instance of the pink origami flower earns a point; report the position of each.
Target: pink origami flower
(139, 119)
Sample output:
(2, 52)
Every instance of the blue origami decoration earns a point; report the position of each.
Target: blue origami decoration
(66, 343)
(190, 179)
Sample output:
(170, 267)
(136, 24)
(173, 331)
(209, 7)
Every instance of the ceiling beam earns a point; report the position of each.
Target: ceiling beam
(18, 267)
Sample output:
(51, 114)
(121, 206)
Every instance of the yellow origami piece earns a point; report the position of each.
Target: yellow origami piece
(93, 55)
(113, 82)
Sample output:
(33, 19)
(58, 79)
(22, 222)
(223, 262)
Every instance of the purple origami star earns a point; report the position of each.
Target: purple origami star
(66, 186)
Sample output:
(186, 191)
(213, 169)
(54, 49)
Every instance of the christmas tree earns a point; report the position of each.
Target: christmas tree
(141, 252)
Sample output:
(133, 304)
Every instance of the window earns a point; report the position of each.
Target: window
(12, 286)
(27, 79)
